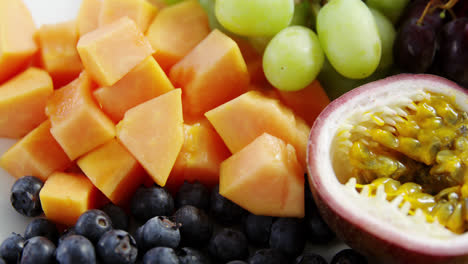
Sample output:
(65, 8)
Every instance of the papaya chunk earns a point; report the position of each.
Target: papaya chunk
(88, 16)
(113, 170)
(22, 102)
(202, 153)
(213, 73)
(37, 154)
(248, 116)
(306, 103)
(113, 50)
(140, 11)
(65, 196)
(78, 124)
(146, 81)
(58, 51)
(17, 44)
(265, 178)
(153, 133)
(176, 30)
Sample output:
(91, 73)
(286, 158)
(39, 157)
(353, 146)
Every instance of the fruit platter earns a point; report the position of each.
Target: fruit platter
(233, 131)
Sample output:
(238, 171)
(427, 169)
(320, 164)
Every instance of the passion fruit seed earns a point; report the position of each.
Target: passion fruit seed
(420, 154)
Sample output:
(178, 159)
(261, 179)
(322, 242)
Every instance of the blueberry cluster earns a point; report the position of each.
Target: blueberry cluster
(196, 226)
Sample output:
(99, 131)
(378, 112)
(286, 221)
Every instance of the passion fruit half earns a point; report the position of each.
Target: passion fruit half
(388, 168)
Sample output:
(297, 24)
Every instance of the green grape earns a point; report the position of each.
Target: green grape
(349, 36)
(392, 9)
(387, 35)
(254, 17)
(209, 7)
(301, 14)
(336, 84)
(293, 58)
(171, 2)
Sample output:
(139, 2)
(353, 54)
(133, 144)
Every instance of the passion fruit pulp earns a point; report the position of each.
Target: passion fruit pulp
(387, 165)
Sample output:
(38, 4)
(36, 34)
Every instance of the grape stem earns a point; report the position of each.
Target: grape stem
(437, 4)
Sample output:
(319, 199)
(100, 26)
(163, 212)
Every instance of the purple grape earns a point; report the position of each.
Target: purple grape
(453, 54)
(435, 19)
(415, 46)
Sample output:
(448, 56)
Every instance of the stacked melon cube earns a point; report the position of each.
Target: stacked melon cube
(129, 92)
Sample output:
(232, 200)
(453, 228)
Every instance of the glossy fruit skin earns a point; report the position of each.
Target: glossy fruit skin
(188, 255)
(161, 255)
(117, 247)
(11, 248)
(310, 258)
(257, 228)
(318, 231)
(374, 243)
(68, 232)
(25, 196)
(42, 227)
(237, 262)
(150, 202)
(228, 244)
(453, 53)
(92, 224)
(196, 227)
(223, 210)
(159, 231)
(38, 250)
(287, 235)
(75, 249)
(2, 261)
(268, 256)
(350, 256)
(195, 194)
(117, 215)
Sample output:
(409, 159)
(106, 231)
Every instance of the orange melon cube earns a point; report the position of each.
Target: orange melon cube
(176, 30)
(113, 170)
(201, 154)
(265, 178)
(248, 116)
(213, 73)
(113, 50)
(88, 16)
(141, 11)
(146, 81)
(17, 44)
(22, 102)
(153, 133)
(308, 102)
(36, 154)
(58, 51)
(160, 4)
(65, 196)
(78, 124)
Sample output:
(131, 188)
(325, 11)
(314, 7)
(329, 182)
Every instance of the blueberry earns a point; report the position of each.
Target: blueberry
(257, 228)
(75, 249)
(41, 227)
(287, 235)
(348, 256)
(310, 258)
(25, 196)
(92, 224)
(223, 209)
(196, 227)
(117, 247)
(149, 202)
(161, 255)
(68, 232)
(117, 215)
(38, 250)
(195, 194)
(159, 231)
(237, 262)
(189, 255)
(317, 230)
(268, 256)
(229, 244)
(11, 248)
(2, 261)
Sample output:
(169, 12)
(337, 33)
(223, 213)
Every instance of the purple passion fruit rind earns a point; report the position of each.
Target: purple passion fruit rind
(378, 228)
